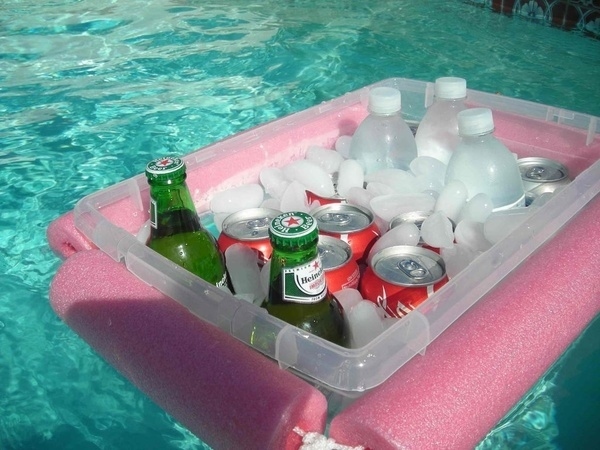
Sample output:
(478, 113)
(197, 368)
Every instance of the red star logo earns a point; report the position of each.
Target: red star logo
(164, 162)
(290, 221)
(316, 265)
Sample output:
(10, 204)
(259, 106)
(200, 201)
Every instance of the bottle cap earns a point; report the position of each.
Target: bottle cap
(450, 88)
(475, 122)
(384, 100)
(165, 168)
(293, 228)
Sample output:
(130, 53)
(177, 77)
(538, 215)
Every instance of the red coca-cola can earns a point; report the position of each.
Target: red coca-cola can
(350, 223)
(249, 227)
(312, 197)
(341, 270)
(402, 277)
(417, 218)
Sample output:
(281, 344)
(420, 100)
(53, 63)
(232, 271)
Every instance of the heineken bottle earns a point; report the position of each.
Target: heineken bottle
(298, 291)
(176, 232)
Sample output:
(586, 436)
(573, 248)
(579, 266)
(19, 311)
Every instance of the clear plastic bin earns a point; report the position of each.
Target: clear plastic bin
(111, 217)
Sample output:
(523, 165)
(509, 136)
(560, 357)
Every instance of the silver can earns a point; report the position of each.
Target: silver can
(350, 223)
(341, 270)
(541, 175)
(402, 277)
(416, 217)
(251, 228)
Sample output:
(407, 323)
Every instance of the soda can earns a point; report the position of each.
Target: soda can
(249, 227)
(312, 197)
(341, 270)
(541, 175)
(402, 277)
(337, 198)
(416, 217)
(350, 223)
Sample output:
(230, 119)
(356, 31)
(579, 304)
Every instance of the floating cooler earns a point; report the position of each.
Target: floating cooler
(187, 344)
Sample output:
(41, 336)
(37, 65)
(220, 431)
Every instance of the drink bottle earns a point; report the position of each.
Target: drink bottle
(437, 134)
(483, 163)
(298, 292)
(383, 140)
(175, 229)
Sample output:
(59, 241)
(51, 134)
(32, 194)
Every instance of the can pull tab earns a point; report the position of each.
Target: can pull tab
(536, 173)
(257, 225)
(337, 218)
(413, 269)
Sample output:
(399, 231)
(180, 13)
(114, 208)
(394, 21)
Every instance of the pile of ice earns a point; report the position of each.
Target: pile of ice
(462, 227)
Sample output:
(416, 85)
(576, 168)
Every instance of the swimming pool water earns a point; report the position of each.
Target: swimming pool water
(92, 89)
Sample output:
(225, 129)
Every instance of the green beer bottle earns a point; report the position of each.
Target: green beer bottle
(298, 291)
(175, 229)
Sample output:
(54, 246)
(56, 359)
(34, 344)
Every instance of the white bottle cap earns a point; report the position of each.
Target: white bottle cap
(475, 121)
(385, 100)
(450, 88)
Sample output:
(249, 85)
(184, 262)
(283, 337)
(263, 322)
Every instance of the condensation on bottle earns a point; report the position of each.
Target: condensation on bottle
(383, 140)
(483, 163)
(437, 134)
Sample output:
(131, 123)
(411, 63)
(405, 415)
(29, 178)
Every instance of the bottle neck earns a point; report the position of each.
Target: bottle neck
(172, 209)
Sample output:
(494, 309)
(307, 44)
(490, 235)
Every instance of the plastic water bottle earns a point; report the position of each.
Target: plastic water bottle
(383, 140)
(483, 163)
(437, 135)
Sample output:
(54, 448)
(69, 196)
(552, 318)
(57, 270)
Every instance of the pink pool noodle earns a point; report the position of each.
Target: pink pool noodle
(487, 360)
(64, 238)
(231, 396)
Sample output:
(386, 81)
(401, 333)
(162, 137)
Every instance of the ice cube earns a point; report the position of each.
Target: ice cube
(457, 258)
(265, 273)
(351, 174)
(500, 224)
(389, 206)
(404, 234)
(294, 198)
(436, 231)
(328, 160)
(144, 232)
(429, 184)
(235, 199)
(400, 180)
(218, 219)
(359, 197)
(271, 202)
(348, 298)
(274, 181)
(364, 323)
(452, 199)
(342, 146)
(376, 189)
(244, 273)
(470, 233)
(311, 175)
(478, 208)
(428, 167)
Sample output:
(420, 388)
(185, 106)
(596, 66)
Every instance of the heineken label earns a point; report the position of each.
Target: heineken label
(293, 224)
(305, 283)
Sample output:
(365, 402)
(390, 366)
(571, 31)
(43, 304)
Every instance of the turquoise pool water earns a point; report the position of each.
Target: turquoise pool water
(92, 89)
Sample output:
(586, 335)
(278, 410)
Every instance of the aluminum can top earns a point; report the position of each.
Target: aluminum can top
(249, 224)
(342, 218)
(405, 265)
(334, 252)
(416, 217)
(541, 170)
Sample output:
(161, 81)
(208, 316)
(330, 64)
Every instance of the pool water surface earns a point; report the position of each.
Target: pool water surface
(90, 90)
